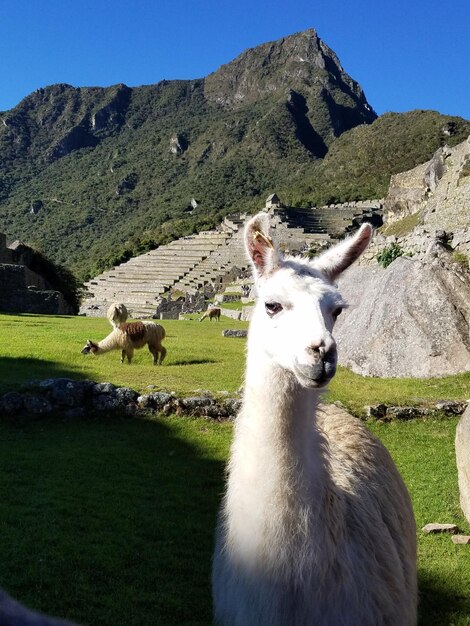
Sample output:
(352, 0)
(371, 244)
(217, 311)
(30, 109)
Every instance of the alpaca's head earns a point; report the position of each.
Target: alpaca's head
(298, 302)
(90, 346)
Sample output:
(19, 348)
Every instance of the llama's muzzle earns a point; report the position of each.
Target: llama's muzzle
(319, 370)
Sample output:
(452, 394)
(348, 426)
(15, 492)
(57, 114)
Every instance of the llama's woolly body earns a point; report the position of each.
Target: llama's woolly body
(316, 527)
(212, 314)
(117, 314)
(131, 336)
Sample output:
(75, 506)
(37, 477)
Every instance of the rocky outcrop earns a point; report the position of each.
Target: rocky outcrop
(410, 320)
(449, 206)
(408, 191)
(462, 452)
(25, 286)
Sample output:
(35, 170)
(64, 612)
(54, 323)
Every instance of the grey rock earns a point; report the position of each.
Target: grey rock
(197, 405)
(68, 392)
(409, 320)
(232, 406)
(377, 411)
(105, 402)
(159, 399)
(144, 402)
(11, 403)
(462, 453)
(451, 407)
(99, 388)
(434, 528)
(125, 395)
(439, 528)
(406, 412)
(232, 332)
(461, 539)
(36, 404)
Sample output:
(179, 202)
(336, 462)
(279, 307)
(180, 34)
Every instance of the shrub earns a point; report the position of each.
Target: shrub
(389, 254)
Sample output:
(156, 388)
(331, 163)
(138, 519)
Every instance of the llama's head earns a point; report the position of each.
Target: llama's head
(90, 346)
(298, 302)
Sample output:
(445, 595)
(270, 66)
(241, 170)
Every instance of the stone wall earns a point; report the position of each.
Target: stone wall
(24, 291)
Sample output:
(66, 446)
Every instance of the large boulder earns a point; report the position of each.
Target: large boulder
(409, 320)
(462, 453)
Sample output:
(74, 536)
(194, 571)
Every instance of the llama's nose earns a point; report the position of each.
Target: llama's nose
(317, 350)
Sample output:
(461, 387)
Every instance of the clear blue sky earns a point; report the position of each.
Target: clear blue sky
(405, 54)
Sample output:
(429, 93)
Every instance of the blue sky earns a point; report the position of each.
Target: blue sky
(405, 54)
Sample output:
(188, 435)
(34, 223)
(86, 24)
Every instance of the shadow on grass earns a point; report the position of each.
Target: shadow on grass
(18, 372)
(40, 315)
(192, 362)
(109, 520)
(438, 605)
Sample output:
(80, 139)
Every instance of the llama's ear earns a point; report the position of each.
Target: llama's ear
(260, 248)
(338, 258)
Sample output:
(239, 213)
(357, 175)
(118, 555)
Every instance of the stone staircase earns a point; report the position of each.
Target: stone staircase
(331, 220)
(143, 279)
(211, 258)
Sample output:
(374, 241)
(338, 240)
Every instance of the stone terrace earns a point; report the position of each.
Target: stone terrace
(211, 258)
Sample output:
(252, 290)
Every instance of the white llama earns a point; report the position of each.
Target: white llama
(129, 337)
(316, 527)
(117, 314)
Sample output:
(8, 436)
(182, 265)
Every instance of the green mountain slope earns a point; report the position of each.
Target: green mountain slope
(92, 175)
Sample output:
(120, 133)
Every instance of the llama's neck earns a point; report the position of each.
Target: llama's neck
(110, 342)
(280, 415)
(279, 480)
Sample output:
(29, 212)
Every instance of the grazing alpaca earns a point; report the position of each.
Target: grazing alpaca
(212, 314)
(117, 314)
(316, 527)
(131, 336)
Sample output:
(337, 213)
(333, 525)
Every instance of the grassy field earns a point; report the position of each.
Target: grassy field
(110, 521)
(38, 347)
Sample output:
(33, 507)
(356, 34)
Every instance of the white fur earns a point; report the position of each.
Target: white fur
(316, 527)
(117, 314)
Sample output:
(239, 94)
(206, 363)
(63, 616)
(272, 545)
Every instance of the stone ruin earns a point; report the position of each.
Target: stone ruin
(25, 291)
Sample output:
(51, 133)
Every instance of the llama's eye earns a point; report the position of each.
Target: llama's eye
(337, 312)
(272, 308)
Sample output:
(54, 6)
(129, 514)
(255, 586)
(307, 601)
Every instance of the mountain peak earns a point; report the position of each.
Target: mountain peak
(299, 62)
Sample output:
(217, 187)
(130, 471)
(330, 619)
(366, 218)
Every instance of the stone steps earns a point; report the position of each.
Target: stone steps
(209, 258)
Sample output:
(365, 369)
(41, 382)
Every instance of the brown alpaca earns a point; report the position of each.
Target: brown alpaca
(131, 336)
(213, 313)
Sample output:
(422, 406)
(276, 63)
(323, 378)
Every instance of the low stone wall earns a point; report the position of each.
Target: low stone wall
(75, 399)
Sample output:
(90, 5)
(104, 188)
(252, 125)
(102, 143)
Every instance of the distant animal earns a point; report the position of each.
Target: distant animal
(117, 314)
(316, 527)
(130, 336)
(213, 314)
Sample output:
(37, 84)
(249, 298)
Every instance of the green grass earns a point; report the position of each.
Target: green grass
(402, 227)
(38, 347)
(110, 521)
(356, 392)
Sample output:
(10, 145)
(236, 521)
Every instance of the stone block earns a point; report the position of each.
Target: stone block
(462, 453)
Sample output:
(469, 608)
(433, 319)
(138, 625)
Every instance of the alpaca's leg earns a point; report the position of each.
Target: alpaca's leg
(154, 352)
(162, 354)
(130, 354)
(123, 355)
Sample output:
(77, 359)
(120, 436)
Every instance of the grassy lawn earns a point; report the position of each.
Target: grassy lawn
(110, 521)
